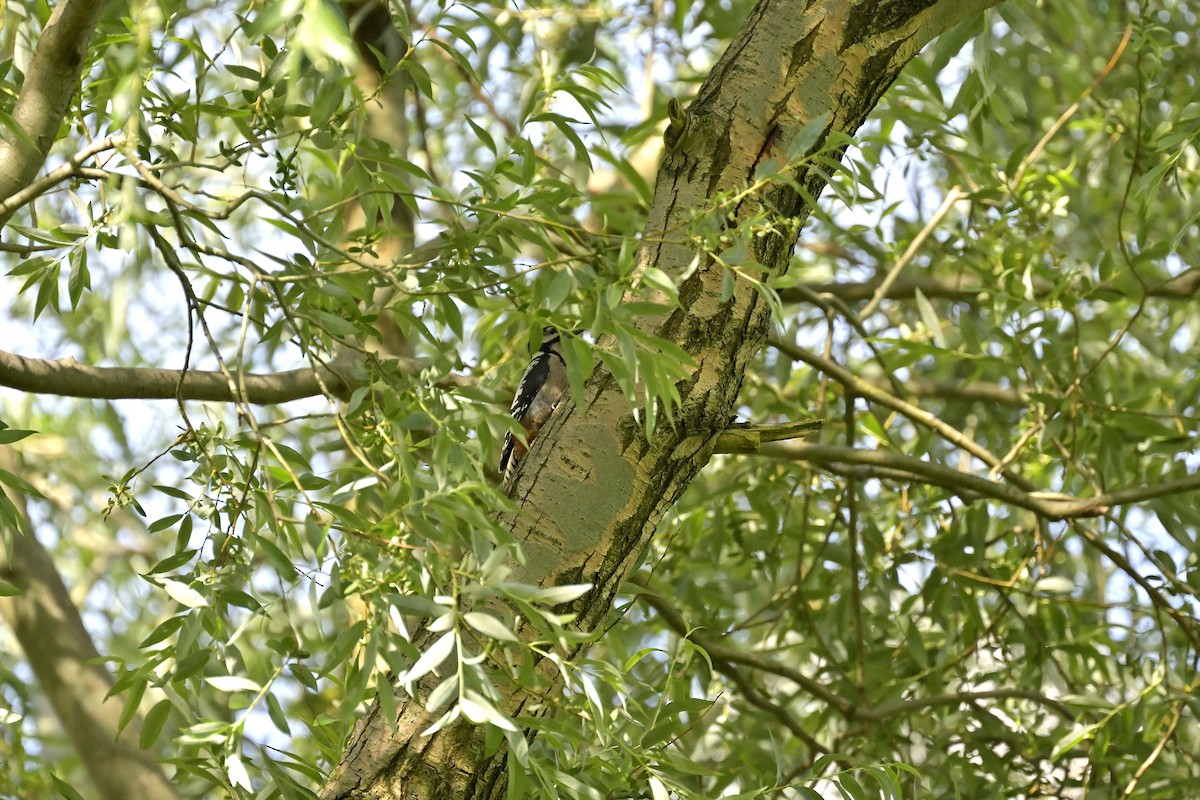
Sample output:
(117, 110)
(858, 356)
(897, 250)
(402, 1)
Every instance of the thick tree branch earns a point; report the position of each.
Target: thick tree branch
(971, 391)
(67, 665)
(50, 82)
(69, 378)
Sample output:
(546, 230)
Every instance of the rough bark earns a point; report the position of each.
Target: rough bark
(68, 669)
(50, 82)
(592, 492)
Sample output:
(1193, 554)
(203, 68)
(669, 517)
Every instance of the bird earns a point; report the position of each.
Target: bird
(540, 389)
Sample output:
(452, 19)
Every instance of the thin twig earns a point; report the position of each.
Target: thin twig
(1176, 713)
(953, 196)
(1033, 154)
(916, 414)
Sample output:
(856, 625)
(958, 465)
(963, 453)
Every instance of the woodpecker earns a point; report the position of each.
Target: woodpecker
(539, 391)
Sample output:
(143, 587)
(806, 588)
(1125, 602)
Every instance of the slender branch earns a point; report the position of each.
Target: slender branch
(1053, 130)
(959, 289)
(970, 290)
(831, 304)
(1046, 504)
(889, 280)
(50, 83)
(722, 655)
(899, 707)
(916, 414)
(731, 655)
(1176, 713)
(750, 438)
(756, 698)
(1187, 623)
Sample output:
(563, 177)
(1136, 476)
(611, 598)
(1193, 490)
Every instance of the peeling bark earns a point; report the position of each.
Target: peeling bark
(592, 495)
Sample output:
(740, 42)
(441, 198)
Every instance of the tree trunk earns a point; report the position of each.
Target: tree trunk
(591, 490)
(68, 669)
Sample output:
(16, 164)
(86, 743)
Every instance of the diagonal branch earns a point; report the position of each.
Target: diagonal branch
(50, 83)
(723, 656)
(68, 668)
(916, 414)
(1045, 504)
(72, 168)
(732, 655)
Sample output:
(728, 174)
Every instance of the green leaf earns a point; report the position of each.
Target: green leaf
(807, 137)
(1072, 739)
(152, 726)
(64, 789)
(132, 699)
(80, 279)
(172, 562)
(10, 435)
(417, 605)
(480, 710)
(278, 717)
(19, 484)
(489, 626)
(388, 706)
(232, 683)
(163, 524)
(431, 659)
(930, 318)
(183, 594)
(191, 664)
(162, 631)
(445, 691)
(343, 646)
(556, 595)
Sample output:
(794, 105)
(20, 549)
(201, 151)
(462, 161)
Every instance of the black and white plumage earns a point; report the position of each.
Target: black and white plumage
(540, 389)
